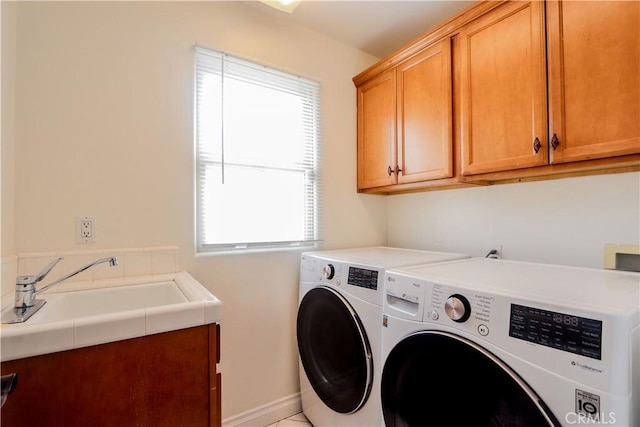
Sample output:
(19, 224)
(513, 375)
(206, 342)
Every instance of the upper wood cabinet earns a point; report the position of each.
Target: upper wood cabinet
(503, 84)
(505, 91)
(424, 115)
(594, 79)
(377, 131)
(405, 121)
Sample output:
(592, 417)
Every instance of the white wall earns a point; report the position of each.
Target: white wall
(7, 152)
(566, 221)
(103, 124)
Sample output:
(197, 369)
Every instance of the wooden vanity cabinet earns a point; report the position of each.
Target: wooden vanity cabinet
(166, 379)
(503, 84)
(594, 79)
(405, 121)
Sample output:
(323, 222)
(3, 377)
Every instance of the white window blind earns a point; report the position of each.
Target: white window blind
(257, 156)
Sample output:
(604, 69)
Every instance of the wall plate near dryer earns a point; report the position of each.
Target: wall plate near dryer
(485, 342)
(339, 326)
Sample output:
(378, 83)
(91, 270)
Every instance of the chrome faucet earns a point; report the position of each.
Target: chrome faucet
(26, 304)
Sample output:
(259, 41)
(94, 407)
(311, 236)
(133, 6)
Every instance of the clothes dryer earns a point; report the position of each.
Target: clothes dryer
(485, 342)
(339, 326)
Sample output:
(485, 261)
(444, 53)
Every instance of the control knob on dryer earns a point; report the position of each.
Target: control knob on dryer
(328, 271)
(457, 308)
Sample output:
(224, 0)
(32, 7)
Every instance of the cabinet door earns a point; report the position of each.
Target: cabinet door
(160, 380)
(425, 145)
(594, 78)
(503, 79)
(377, 131)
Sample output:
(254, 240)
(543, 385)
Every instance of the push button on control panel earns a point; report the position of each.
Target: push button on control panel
(483, 330)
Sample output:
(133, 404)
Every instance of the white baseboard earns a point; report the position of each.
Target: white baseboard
(266, 414)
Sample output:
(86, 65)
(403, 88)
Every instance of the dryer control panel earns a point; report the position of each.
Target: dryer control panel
(360, 281)
(340, 274)
(363, 278)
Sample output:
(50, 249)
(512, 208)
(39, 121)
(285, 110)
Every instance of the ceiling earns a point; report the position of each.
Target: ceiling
(378, 27)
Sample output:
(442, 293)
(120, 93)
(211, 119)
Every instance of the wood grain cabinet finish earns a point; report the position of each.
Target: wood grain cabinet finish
(166, 379)
(405, 121)
(592, 85)
(503, 90)
(594, 79)
(424, 115)
(377, 131)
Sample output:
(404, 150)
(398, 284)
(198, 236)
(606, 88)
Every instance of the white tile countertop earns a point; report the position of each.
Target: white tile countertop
(102, 311)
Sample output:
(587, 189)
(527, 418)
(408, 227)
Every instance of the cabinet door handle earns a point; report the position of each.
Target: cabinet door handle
(537, 145)
(9, 383)
(398, 170)
(389, 170)
(555, 141)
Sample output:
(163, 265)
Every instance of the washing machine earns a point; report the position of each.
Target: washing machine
(339, 326)
(485, 342)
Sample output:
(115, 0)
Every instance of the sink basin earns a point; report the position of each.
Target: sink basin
(94, 302)
(111, 311)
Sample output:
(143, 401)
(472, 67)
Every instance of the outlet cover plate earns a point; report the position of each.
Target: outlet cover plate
(85, 229)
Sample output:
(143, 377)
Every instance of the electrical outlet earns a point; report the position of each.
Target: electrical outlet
(498, 251)
(86, 229)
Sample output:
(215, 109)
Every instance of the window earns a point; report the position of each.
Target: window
(257, 155)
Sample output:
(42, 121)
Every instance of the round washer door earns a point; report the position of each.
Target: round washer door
(334, 350)
(435, 378)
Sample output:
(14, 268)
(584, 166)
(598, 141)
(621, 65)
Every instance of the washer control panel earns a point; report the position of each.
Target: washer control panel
(565, 332)
(464, 309)
(471, 310)
(423, 301)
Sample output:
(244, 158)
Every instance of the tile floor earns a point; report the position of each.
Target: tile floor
(297, 420)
